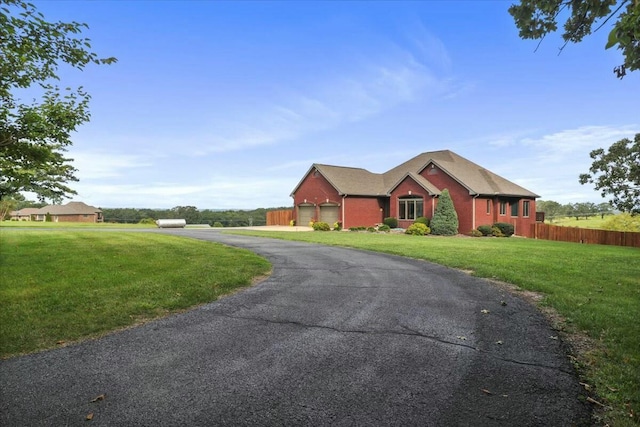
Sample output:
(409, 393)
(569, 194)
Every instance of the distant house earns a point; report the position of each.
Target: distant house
(71, 212)
(25, 214)
(357, 197)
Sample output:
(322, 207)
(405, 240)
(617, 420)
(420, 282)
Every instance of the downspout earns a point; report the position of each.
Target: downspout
(343, 219)
(473, 221)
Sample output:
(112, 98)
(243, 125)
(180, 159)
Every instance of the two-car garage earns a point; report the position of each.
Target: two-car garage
(327, 212)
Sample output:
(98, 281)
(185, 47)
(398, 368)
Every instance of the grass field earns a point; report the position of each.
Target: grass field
(42, 224)
(591, 222)
(596, 289)
(61, 286)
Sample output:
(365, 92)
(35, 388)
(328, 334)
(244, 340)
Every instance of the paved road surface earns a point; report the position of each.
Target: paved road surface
(333, 337)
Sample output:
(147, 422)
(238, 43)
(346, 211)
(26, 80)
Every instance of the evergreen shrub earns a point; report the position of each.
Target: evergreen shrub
(391, 222)
(506, 228)
(485, 230)
(321, 226)
(417, 229)
(445, 218)
(423, 220)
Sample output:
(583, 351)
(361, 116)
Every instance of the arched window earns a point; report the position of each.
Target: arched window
(410, 207)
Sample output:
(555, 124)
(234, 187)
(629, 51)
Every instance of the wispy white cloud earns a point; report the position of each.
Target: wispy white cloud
(551, 164)
(368, 87)
(100, 164)
(556, 146)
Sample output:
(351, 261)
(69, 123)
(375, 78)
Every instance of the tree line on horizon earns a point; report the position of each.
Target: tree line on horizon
(554, 210)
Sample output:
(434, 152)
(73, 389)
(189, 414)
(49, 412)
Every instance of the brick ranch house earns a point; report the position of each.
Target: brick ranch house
(71, 212)
(357, 197)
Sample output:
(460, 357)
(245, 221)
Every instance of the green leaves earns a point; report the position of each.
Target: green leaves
(616, 173)
(537, 18)
(33, 136)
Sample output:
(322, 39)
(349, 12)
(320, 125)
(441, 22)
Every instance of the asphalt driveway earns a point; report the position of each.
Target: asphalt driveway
(334, 337)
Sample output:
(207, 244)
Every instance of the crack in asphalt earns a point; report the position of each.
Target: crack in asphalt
(410, 332)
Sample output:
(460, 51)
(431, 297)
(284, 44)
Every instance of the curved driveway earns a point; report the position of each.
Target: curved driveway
(334, 337)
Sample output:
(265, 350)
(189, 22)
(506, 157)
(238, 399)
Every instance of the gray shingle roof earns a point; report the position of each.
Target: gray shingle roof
(478, 180)
(71, 208)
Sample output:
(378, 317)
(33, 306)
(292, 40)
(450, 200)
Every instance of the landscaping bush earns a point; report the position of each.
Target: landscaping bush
(359, 228)
(423, 220)
(218, 224)
(371, 229)
(445, 218)
(496, 232)
(385, 228)
(321, 226)
(476, 233)
(391, 222)
(292, 222)
(337, 226)
(506, 228)
(485, 230)
(418, 229)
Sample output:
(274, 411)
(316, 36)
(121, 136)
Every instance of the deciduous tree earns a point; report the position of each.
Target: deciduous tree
(537, 18)
(34, 135)
(616, 173)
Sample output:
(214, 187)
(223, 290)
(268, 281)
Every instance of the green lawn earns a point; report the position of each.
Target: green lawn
(62, 286)
(596, 289)
(42, 224)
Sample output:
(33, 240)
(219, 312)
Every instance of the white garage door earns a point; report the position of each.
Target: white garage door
(329, 214)
(305, 213)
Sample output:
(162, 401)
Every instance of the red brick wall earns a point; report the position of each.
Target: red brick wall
(521, 224)
(362, 211)
(462, 200)
(73, 218)
(406, 186)
(482, 217)
(316, 189)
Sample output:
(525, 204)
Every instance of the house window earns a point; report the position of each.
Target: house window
(514, 209)
(503, 208)
(488, 207)
(410, 208)
(525, 208)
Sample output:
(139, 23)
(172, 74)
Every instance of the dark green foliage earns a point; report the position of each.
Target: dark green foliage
(391, 222)
(371, 229)
(617, 173)
(228, 218)
(35, 135)
(536, 18)
(476, 233)
(496, 232)
(485, 230)
(417, 229)
(147, 221)
(360, 228)
(385, 228)
(504, 227)
(321, 226)
(423, 220)
(445, 218)
(337, 226)
(217, 224)
(47, 217)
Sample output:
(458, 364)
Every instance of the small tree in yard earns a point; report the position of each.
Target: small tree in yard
(445, 218)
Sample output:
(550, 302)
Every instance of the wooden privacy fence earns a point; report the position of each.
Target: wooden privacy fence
(279, 217)
(584, 235)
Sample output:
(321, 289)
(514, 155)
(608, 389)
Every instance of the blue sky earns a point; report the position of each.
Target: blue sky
(227, 104)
